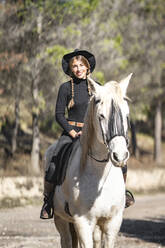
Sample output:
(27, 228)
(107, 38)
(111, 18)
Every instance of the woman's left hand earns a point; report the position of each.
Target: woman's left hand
(79, 133)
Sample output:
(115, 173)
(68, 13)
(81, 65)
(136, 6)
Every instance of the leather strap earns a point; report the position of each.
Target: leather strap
(77, 124)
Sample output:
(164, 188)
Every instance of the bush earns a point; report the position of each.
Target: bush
(50, 127)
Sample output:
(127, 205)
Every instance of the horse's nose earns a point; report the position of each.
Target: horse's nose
(119, 158)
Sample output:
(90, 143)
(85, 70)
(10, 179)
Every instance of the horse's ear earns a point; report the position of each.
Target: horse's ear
(124, 84)
(93, 85)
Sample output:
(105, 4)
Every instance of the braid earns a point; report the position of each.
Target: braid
(71, 102)
(88, 85)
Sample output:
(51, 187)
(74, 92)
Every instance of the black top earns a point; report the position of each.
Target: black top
(77, 112)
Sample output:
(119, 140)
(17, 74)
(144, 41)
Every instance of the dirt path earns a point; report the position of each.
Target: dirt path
(143, 226)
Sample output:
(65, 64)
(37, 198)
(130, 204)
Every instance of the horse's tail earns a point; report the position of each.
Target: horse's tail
(74, 235)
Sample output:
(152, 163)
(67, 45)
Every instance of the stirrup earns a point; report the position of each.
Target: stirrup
(129, 199)
(47, 210)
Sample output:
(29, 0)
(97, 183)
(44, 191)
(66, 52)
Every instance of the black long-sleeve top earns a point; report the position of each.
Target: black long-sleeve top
(77, 112)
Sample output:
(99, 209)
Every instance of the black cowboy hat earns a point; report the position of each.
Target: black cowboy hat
(66, 58)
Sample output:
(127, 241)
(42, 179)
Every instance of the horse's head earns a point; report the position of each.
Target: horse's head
(110, 118)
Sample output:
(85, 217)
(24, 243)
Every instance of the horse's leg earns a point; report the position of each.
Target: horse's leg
(85, 232)
(111, 229)
(74, 236)
(64, 231)
(97, 237)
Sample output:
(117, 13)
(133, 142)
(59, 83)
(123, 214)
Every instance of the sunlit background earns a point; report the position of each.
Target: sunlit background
(124, 35)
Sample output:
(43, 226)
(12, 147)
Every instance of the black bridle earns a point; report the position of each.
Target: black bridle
(115, 124)
(115, 127)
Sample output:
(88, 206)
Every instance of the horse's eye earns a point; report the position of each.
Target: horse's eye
(97, 100)
(102, 116)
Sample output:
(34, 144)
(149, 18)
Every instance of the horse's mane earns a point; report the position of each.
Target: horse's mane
(113, 92)
(87, 132)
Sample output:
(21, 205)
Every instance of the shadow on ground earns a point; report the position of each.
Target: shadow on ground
(150, 230)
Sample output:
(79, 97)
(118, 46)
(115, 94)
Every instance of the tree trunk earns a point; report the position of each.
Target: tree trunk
(17, 117)
(35, 154)
(36, 139)
(134, 140)
(15, 130)
(158, 134)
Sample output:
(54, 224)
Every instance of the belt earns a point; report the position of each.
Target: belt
(77, 124)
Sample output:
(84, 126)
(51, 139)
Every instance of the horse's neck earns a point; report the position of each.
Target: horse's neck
(98, 150)
(97, 168)
(99, 171)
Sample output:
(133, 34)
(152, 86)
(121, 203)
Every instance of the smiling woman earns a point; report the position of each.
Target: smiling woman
(73, 96)
(79, 66)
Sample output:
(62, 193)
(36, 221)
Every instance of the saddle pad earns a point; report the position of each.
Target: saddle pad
(61, 162)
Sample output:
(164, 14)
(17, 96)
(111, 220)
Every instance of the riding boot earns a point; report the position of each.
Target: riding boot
(47, 208)
(129, 196)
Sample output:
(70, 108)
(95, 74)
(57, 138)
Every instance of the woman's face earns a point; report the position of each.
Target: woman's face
(79, 69)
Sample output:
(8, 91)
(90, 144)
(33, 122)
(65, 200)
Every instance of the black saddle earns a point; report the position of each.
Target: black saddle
(59, 163)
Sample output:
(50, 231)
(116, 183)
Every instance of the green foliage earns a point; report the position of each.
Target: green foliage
(118, 41)
(99, 77)
(150, 6)
(72, 30)
(124, 63)
(60, 9)
(80, 8)
(42, 103)
(125, 37)
(29, 3)
(50, 127)
(55, 53)
(139, 114)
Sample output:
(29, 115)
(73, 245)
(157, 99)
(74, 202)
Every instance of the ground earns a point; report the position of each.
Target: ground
(143, 226)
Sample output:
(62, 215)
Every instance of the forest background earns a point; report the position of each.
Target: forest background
(125, 36)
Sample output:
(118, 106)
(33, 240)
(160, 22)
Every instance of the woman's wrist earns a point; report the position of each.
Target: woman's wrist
(73, 133)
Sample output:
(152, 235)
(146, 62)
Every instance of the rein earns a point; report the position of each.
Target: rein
(105, 143)
(100, 161)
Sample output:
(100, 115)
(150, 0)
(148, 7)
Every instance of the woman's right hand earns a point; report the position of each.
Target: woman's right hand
(73, 133)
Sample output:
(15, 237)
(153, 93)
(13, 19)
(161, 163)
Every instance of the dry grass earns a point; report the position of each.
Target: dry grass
(16, 191)
(145, 153)
(144, 175)
(146, 181)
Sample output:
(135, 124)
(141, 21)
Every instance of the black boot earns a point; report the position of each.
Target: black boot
(129, 199)
(129, 196)
(47, 210)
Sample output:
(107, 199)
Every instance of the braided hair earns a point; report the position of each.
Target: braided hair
(86, 63)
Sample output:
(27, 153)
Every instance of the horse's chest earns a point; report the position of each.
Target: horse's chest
(100, 197)
(108, 200)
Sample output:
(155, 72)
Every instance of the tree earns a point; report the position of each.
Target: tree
(34, 35)
(142, 25)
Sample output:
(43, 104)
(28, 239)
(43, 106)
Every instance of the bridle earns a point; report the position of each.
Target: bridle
(115, 127)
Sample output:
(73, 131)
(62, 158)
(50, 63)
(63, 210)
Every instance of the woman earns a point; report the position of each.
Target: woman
(73, 95)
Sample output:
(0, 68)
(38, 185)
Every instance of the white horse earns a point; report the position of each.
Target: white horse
(88, 206)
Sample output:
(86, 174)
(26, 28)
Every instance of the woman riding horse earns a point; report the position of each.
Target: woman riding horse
(74, 96)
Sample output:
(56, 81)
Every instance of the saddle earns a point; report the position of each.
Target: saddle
(59, 164)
